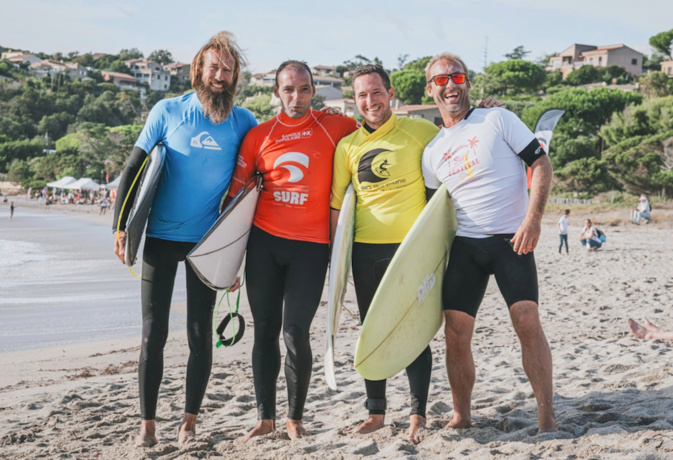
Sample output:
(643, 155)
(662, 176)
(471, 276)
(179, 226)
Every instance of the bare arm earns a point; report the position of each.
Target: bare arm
(528, 234)
(333, 220)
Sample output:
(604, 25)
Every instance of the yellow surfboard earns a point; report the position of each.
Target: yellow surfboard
(407, 311)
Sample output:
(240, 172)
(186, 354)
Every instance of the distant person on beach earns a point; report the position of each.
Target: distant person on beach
(589, 236)
(648, 331)
(477, 156)
(11, 210)
(288, 249)
(103, 206)
(202, 132)
(641, 211)
(563, 230)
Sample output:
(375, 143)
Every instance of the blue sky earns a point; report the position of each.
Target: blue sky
(330, 32)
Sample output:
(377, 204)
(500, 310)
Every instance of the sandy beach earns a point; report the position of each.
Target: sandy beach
(613, 394)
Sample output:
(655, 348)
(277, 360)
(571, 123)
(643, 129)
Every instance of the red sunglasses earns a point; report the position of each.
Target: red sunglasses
(441, 80)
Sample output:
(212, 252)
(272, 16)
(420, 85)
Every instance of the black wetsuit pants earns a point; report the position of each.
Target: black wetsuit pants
(370, 262)
(283, 271)
(160, 263)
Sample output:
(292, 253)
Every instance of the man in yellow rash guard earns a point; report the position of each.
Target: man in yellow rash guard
(383, 161)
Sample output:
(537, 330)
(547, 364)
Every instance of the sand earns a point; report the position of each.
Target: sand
(613, 394)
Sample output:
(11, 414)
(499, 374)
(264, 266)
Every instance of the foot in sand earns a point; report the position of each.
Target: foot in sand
(147, 436)
(295, 429)
(459, 422)
(373, 423)
(648, 331)
(187, 431)
(547, 424)
(263, 427)
(416, 422)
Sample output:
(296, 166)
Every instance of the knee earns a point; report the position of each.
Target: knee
(526, 321)
(155, 335)
(200, 338)
(457, 336)
(296, 339)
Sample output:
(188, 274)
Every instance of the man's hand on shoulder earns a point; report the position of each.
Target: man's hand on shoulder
(490, 102)
(527, 236)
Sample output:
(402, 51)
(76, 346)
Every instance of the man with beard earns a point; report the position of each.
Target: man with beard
(478, 156)
(288, 249)
(202, 132)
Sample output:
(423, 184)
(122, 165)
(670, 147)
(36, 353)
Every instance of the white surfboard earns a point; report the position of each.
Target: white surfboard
(142, 205)
(218, 257)
(406, 311)
(340, 264)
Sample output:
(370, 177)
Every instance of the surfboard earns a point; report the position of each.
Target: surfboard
(406, 311)
(142, 205)
(218, 257)
(340, 264)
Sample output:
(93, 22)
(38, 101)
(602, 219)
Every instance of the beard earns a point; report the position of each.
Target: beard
(216, 105)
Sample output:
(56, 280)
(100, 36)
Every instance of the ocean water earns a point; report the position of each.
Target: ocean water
(60, 283)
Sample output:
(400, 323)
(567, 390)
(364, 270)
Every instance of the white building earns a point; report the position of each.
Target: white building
(150, 73)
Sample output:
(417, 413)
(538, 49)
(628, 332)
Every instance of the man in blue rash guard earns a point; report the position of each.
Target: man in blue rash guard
(202, 132)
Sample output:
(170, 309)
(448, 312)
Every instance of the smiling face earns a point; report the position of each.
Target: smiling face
(218, 70)
(373, 99)
(295, 92)
(452, 99)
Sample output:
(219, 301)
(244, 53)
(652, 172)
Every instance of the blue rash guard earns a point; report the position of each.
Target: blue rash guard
(200, 161)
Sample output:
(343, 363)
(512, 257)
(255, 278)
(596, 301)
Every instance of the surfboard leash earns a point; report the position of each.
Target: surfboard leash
(236, 335)
(126, 198)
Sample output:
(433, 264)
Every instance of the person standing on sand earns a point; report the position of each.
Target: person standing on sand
(563, 230)
(288, 249)
(478, 157)
(11, 210)
(202, 132)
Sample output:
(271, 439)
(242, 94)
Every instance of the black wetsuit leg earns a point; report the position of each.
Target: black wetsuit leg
(160, 263)
(370, 262)
(278, 271)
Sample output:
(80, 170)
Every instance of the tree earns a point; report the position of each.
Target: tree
(656, 84)
(516, 76)
(133, 53)
(409, 86)
(663, 42)
(161, 56)
(583, 75)
(517, 53)
(260, 106)
(318, 102)
(418, 64)
(401, 60)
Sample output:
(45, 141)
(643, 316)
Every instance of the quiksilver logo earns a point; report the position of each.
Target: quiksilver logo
(425, 287)
(204, 140)
(372, 169)
(290, 162)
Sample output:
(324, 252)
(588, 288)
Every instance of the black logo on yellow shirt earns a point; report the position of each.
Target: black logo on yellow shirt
(373, 166)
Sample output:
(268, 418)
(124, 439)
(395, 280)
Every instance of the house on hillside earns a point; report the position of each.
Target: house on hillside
(50, 67)
(667, 68)
(17, 57)
(578, 55)
(150, 73)
(329, 92)
(326, 80)
(428, 112)
(121, 80)
(325, 71)
(179, 70)
(263, 79)
(347, 106)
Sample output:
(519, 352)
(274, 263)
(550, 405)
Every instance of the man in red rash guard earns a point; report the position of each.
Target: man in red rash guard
(288, 248)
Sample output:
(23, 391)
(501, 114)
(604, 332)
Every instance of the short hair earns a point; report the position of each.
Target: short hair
(567, 211)
(446, 57)
(221, 41)
(294, 65)
(373, 68)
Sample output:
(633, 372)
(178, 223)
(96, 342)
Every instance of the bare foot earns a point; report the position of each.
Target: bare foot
(147, 436)
(416, 423)
(650, 326)
(639, 331)
(547, 425)
(373, 423)
(263, 427)
(295, 429)
(187, 431)
(458, 422)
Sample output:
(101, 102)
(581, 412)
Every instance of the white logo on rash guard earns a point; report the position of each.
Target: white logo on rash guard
(296, 174)
(204, 141)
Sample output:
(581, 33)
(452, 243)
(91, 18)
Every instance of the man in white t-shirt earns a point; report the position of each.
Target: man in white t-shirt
(478, 157)
(563, 230)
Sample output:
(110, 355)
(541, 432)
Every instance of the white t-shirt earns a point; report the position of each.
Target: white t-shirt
(477, 160)
(563, 225)
(644, 206)
(591, 233)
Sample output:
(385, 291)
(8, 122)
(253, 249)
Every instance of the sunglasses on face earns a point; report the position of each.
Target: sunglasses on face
(441, 80)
